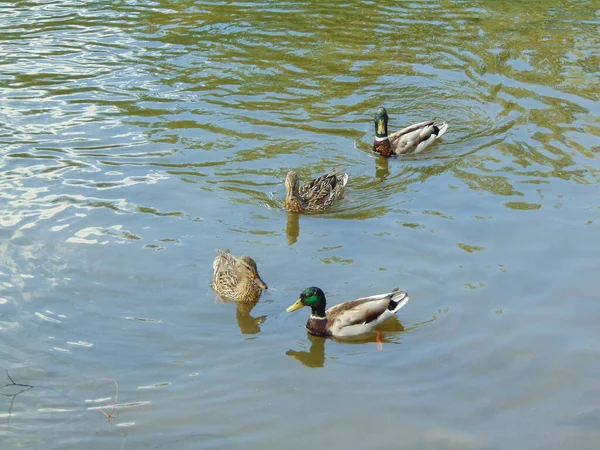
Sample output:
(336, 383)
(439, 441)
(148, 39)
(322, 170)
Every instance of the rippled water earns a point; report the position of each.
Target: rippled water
(138, 137)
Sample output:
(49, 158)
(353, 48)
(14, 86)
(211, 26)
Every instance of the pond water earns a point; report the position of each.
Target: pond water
(137, 137)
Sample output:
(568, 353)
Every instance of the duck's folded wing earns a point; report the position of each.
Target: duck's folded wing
(361, 311)
(224, 261)
(411, 137)
(319, 189)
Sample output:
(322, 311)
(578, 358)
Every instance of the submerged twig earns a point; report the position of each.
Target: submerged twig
(110, 414)
(14, 396)
(12, 382)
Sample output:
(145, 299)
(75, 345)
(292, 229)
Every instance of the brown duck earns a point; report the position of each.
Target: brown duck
(237, 278)
(316, 195)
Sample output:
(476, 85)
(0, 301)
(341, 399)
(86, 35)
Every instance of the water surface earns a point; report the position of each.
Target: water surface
(138, 137)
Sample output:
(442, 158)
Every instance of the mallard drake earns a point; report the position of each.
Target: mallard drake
(317, 194)
(348, 319)
(237, 278)
(413, 139)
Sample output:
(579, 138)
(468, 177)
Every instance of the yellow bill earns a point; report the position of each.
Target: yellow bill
(295, 306)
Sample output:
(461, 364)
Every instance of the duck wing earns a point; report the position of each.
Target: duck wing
(416, 138)
(324, 189)
(364, 314)
(224, 263)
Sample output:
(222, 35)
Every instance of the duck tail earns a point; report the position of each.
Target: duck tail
(344, 179)
(397, 300)
(440, 126)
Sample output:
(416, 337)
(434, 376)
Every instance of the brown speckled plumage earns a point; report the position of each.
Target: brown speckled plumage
(237, 278)
(316, 195)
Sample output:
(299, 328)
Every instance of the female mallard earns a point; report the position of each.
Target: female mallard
(413, 139)
(316, 195)
(351, 318)
(237, 278)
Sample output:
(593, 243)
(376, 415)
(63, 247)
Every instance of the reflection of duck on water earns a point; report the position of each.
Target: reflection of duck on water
(247, 323)
(315, 356)
(292, 228)
(382, 168)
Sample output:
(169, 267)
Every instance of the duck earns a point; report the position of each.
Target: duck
(316, 195)
(413, 139)
(348, 319)
(237, 278)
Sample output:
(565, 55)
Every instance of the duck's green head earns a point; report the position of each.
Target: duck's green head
(381, 121)
(313, 297)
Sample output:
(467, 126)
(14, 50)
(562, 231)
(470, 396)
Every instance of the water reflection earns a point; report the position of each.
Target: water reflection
(247, 323)
(315, 356)
(382, 168)
(292, 228)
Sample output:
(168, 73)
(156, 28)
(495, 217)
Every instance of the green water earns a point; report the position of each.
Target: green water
(137, 137)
